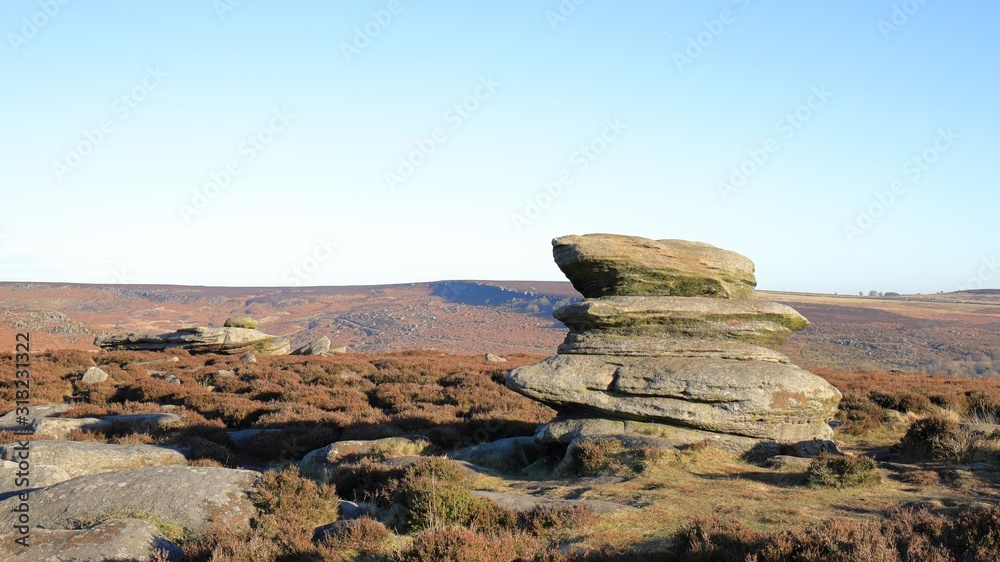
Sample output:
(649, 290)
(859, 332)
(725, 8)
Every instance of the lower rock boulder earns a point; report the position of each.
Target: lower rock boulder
(185, 497)
(762, 400)
(565, 430)
(509, 455)
(118, 539)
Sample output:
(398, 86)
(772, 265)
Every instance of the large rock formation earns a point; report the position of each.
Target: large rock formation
(670, 342)
(229, 341)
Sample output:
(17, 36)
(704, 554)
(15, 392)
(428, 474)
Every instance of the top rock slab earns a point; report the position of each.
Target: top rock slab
(602, 265)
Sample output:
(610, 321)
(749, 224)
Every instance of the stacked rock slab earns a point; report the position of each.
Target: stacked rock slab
(672, 342)
(200, 339)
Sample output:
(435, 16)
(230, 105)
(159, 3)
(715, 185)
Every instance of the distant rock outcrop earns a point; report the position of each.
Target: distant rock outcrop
(671, 343)
(241, 322)
(229, 341)
(318, 347)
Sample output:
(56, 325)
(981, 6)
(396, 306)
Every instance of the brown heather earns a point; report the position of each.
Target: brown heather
(460, 400)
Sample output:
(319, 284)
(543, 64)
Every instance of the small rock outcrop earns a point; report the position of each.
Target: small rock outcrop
(672, 343)
(321, 464)
(494, 358)
(94, 375)
(318, 347)
(227, 340)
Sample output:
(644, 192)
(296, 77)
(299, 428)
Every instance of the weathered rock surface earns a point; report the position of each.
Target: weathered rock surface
(185, 496)
(318, 347)
(140, 423)
(748, 398)
(509, 455)
(321, 464)
(565, 429)
(36, 414)
(94, 375)
(240, 322)
(601, 343)
(79, 458)
(39, 476)
(118, 539)
(522, 503)
(230, 341)
(45, 420)
(610, 264)
(62, 428)
(757, 322)
(494, 358)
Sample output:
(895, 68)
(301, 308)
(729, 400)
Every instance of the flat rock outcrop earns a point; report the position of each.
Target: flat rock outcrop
(601, 265)
(672, 344)
(39, 476)
(36, 415)
(185, 496)
(117, 539)
(200, 339)
(80, 458)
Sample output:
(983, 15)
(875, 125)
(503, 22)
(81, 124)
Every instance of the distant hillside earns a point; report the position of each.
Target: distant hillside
(957, 333)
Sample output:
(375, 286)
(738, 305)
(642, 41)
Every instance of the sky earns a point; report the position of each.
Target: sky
(843, 146)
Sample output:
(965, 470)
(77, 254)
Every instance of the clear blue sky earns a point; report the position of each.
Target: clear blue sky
(634, 114)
